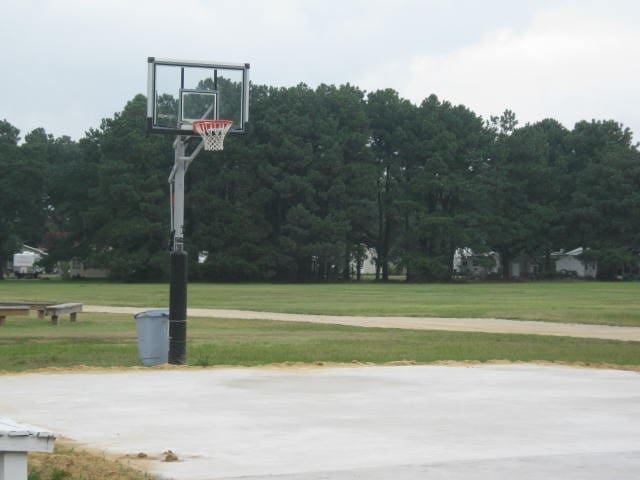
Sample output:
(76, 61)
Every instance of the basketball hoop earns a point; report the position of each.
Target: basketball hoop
(212, 132)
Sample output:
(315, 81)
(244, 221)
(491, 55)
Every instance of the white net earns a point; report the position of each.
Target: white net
(212, 132)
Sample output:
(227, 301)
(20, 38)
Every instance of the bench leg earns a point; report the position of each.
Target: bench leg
(54, 319)
(2, 320)
(40, 314)
(13, 465)
(72, 317)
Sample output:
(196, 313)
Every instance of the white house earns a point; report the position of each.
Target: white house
(571, 262)
(77, 269)
(524, 266)
(477, 265)
(368, 266)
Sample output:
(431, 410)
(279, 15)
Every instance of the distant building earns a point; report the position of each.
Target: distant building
(573, 263)
(467, 263)
(26, 262)
(368, 266)
(524, 266)
(77, 269)
(369, 262)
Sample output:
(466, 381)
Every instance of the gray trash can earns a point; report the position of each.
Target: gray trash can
(153, 336)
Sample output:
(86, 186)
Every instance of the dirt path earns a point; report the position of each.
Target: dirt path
(487, 325)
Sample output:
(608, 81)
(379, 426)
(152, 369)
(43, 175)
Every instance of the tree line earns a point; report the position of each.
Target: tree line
(324, 175)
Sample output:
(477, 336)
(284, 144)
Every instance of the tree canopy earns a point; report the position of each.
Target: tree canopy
(324, 175)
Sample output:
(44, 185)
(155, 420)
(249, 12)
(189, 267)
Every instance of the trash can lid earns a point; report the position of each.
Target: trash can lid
(160, 313)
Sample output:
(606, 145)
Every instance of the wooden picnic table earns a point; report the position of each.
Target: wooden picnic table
(53, 309)
(12, 311)
(33, 305)
(62, 309)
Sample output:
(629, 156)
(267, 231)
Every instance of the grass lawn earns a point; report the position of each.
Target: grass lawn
(105, 340)
(568, 301)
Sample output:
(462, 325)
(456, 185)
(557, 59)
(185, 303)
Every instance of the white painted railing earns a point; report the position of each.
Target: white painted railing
(16, 440)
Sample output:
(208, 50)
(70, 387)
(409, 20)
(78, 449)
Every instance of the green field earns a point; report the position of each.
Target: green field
(574, 302)
(105, 340)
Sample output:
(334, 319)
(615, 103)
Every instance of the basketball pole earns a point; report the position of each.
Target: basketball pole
(178, 280)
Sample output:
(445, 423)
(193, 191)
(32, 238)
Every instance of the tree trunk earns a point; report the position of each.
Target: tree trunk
(305, 269)
(547, 262)
(385, 247)
(407, 246)
(386, 241)
(380, 246)
(346, 273)
(524, 267)
(505, 259)
(450, 254)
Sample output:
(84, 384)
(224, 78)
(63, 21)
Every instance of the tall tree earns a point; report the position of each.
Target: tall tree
(441, 189)
(292, 191)
(22, 188)
(344, 158)
(127, 218)
(390, 122)
(518, 182)
(70, 176)
(11, 207)
(604, 209)
(225, 210)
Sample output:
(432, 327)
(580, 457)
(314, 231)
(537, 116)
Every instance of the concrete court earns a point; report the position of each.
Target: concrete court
(393, 422)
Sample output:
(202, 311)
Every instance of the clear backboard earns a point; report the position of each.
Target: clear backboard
(182, 91)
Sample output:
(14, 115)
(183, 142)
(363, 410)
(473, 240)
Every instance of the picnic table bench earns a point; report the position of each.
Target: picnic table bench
(12, 311)
(64, 308)
(16, 440)
(32, 304)
(39, 306)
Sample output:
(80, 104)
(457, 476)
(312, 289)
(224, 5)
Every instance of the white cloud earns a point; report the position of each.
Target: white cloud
(570, 63)
(69, 63)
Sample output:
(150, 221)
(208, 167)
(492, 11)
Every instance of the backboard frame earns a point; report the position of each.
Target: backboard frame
(153, 62)
(182, 104)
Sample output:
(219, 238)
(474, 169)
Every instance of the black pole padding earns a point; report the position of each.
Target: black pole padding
(178, 309)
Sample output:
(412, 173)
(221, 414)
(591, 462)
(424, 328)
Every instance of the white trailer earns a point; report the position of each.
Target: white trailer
(25, 264)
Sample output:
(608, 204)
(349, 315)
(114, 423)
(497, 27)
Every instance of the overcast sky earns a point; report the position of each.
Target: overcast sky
(66, 64)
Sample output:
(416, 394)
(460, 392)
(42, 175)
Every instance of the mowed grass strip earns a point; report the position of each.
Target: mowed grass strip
(101, 340)
(562, 301)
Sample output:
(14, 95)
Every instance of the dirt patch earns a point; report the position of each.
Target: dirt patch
(80, 369)
(72, 462)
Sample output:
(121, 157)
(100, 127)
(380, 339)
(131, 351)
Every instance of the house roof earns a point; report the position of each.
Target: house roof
(27, 248)
(571, 253)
